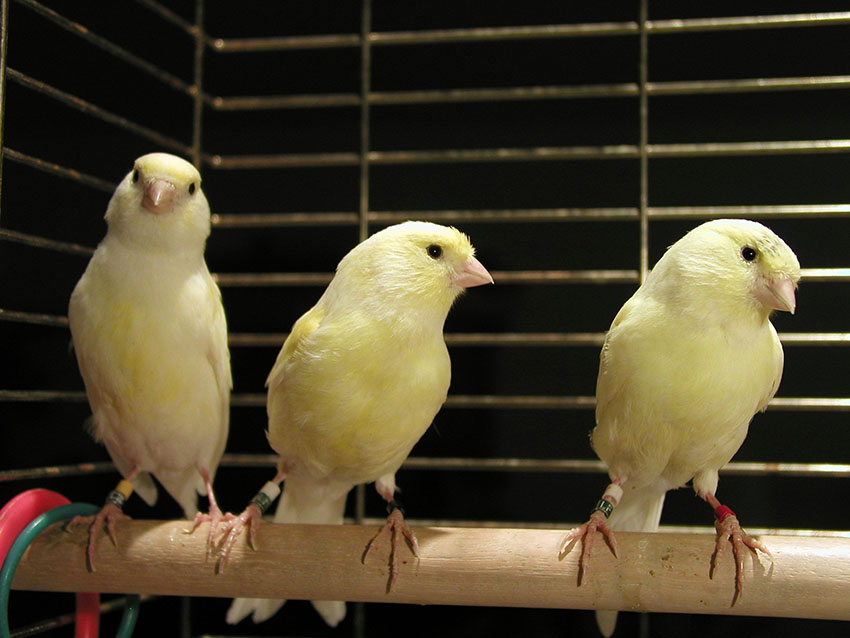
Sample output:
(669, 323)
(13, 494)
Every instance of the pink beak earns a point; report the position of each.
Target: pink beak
(778, 294)
(472, 273)
(159, 196)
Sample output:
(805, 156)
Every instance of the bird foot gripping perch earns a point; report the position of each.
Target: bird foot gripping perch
(729, 529)
(111, 512)
(598, 521)
(250, 518)
(396, 528)
(214, 516)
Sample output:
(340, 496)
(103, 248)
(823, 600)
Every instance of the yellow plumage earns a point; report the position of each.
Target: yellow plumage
(691, 357)
(362, 375)
(687, 362)
(150, 335)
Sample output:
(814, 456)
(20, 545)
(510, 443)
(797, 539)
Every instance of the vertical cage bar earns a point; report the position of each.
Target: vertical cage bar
(4, 37)
(196, 89)
(644, 139)
(197, 86)
(363, 209)
(363, 225)
(365, 88)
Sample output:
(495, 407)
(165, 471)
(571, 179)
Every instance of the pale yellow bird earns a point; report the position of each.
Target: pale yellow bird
(687, 362)
(150, 336)
(358, 381)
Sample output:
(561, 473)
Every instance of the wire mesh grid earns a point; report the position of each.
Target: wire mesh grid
(573, 143)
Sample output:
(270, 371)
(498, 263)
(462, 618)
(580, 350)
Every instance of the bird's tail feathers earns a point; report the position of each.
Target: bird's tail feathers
(200, 488)
(145, 488)
(183, 487)
(311, 502)
(606, 620)
(143, 483)
(308, 502)
(261, 609)
(638, 511)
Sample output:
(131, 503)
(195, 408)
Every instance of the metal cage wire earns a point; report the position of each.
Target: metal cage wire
(643, 216)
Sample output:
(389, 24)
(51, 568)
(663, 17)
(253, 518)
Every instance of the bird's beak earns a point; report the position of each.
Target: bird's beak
(159, 196)
(778, 293)
(472, 273)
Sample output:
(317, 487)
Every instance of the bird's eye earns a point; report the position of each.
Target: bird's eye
(435, 251)
(192, 188)
(748, 253)
(135, 176)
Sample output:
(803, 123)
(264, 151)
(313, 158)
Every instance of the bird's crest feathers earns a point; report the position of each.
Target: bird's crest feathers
(406, 267)
(732, 265)
(181, 227)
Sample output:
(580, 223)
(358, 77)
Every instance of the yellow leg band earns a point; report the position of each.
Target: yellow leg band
(125, 488)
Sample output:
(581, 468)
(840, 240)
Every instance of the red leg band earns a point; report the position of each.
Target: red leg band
(721, 512)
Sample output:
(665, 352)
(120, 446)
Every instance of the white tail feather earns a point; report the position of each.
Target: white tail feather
(638, 511)
(183, 487)
(301, 502)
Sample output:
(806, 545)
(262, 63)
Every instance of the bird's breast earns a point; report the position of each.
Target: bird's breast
(679, 399)
(357, 412)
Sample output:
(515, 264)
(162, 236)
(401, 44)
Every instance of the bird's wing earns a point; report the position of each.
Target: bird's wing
(609, 384)
(306, 324)
(218, 353)
(211, 325)
(778, 364)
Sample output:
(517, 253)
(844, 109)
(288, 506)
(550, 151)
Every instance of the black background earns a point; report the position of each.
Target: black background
(35, 280)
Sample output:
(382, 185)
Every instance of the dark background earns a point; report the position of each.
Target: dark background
(36, 434)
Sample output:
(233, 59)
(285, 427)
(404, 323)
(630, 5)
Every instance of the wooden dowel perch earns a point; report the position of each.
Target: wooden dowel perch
(807, 578)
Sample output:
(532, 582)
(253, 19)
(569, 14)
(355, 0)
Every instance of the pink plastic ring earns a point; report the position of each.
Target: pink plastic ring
(14, 517)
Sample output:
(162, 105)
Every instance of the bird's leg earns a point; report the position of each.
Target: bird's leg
(250, 518)
(395, 528)
(111, 512)
(214, 517)
(598, 521)
(729, 529)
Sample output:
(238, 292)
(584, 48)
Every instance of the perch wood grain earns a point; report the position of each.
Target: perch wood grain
(806, 578)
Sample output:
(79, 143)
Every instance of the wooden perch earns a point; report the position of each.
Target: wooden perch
(809, 577)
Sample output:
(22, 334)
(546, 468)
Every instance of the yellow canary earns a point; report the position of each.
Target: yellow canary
(687, 363)
(149, 332)
(359, 380)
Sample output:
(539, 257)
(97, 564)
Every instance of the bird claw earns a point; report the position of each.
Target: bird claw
(586, 532)
(214, 517)
(107, 516)
(729, 529)
(396, 528)
(234, 526)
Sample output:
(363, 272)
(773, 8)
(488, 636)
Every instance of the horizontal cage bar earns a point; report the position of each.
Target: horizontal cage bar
(43, 242)
(270, 220)
(240, 280)
(485, 401)
(525, 93)
(532, 32)
(542, 153)
(112, 49)
(169, 16)
(95, 111)
(547, 466)
(58, 170)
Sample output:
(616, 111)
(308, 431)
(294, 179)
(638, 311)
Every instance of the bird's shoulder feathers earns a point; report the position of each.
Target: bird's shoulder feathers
(301, 329)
